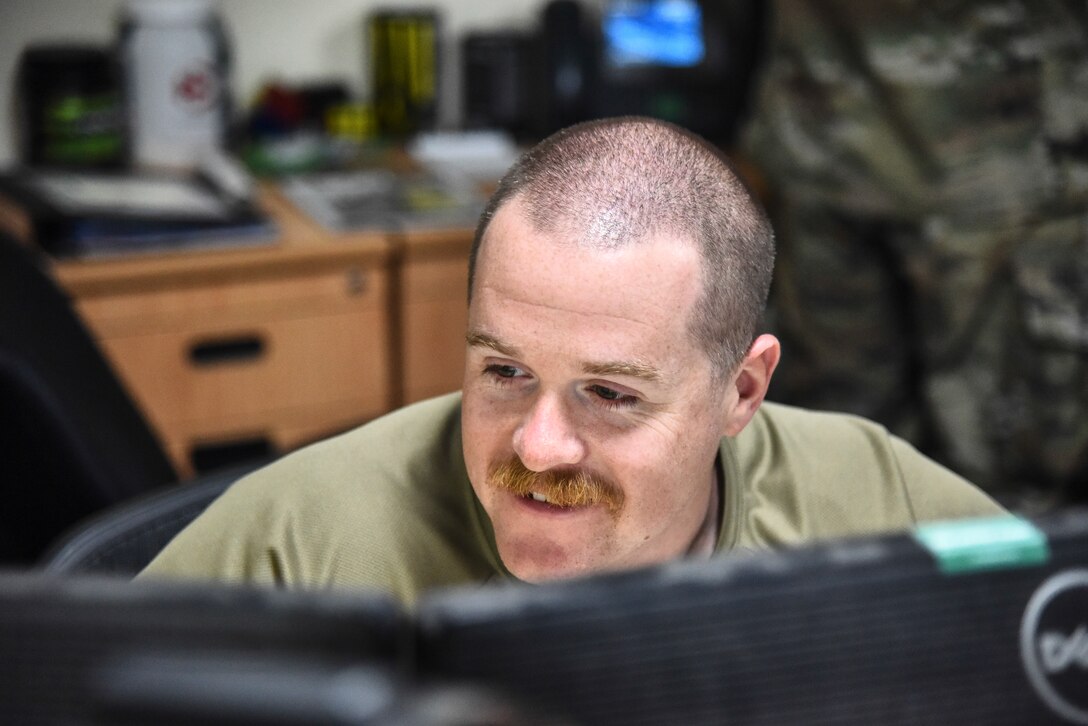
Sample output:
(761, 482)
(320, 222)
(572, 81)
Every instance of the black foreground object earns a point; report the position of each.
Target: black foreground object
(988, 625)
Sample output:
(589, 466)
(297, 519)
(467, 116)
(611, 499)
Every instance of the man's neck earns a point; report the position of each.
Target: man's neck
(707, 537)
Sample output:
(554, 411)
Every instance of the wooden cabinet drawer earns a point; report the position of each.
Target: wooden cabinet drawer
(285, 360)
(434, 317)
(291, 363)
(183, 308)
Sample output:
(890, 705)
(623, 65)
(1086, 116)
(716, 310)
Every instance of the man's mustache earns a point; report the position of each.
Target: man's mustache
(563, 488)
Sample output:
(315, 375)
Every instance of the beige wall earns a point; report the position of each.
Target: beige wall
(292, 40)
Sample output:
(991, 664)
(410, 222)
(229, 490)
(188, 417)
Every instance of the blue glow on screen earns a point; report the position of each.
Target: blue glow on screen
(653, 32)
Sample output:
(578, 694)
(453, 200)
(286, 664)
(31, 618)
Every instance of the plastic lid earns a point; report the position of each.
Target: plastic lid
(969, 545)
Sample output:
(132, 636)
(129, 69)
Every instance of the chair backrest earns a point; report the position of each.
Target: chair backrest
(124, 538)
(72, 441)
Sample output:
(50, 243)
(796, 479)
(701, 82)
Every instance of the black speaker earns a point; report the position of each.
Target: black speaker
(568, 65)
(498, 70)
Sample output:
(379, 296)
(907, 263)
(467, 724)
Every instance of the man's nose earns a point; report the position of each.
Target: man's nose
(546, 437)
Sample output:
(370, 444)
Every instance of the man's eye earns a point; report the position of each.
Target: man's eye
(612, 397)
(606, 393)
(502, 371)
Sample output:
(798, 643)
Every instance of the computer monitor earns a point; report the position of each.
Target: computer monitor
(666, 33)
(76, 650)
(981, 621)
(691, 62)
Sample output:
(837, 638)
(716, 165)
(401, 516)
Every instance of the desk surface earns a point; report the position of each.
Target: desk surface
(300, 243)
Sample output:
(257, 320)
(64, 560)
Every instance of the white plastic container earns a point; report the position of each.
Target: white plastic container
(175, 62)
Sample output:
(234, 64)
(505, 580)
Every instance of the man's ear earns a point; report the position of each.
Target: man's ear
(751, 382)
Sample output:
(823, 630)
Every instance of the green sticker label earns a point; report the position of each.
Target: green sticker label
(969, 545)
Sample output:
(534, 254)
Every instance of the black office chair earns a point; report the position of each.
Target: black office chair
(123, 538)
(71, 440)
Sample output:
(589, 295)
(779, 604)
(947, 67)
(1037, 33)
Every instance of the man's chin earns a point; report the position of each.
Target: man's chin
(539, 564)
(536, 575)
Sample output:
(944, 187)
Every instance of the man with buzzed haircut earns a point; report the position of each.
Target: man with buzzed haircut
(612, 411)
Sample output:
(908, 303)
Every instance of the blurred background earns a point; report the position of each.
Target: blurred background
(505, 65)
(925, 165)
(273, 41)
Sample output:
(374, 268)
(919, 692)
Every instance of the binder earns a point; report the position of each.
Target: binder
(88, 214)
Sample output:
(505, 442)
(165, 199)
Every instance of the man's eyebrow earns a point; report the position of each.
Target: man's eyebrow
(484, 340)
(621, 368)
(609, 368)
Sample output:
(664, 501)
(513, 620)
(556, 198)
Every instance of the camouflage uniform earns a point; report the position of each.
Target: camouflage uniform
(929, 169)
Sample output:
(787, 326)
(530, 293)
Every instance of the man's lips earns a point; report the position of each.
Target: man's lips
(538, 502)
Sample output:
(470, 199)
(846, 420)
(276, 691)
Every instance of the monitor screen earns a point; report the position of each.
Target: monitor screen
(980, 622)
(104, 650)
(665, 33)
(90, 650)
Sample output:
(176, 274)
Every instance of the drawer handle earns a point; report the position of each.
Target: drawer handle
(213, 456)
(238, 349)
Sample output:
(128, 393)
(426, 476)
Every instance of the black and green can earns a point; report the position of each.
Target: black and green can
(71, 107)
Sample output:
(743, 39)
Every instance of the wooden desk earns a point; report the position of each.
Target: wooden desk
(433, 311)
(283, 343)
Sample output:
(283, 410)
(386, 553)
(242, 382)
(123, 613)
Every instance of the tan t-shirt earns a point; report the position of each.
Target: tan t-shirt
(389, 504)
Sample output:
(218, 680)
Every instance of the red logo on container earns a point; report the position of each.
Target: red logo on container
(196, 87)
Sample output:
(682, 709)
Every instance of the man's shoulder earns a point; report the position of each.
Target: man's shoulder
(382, 505)
(417, 429)
(782, 420)
(415, 426)
(414, 445)
(824, 449)
(807, 474)
(835, 439)
(811, 453)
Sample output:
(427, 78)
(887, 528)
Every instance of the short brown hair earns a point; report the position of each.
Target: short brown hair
(617, 181)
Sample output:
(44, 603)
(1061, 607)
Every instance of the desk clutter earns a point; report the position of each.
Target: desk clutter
(91, 214)
(130, 146)
(982, 624)
(445, 187)
(159, 99)
(385, 201)
(163, 91)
